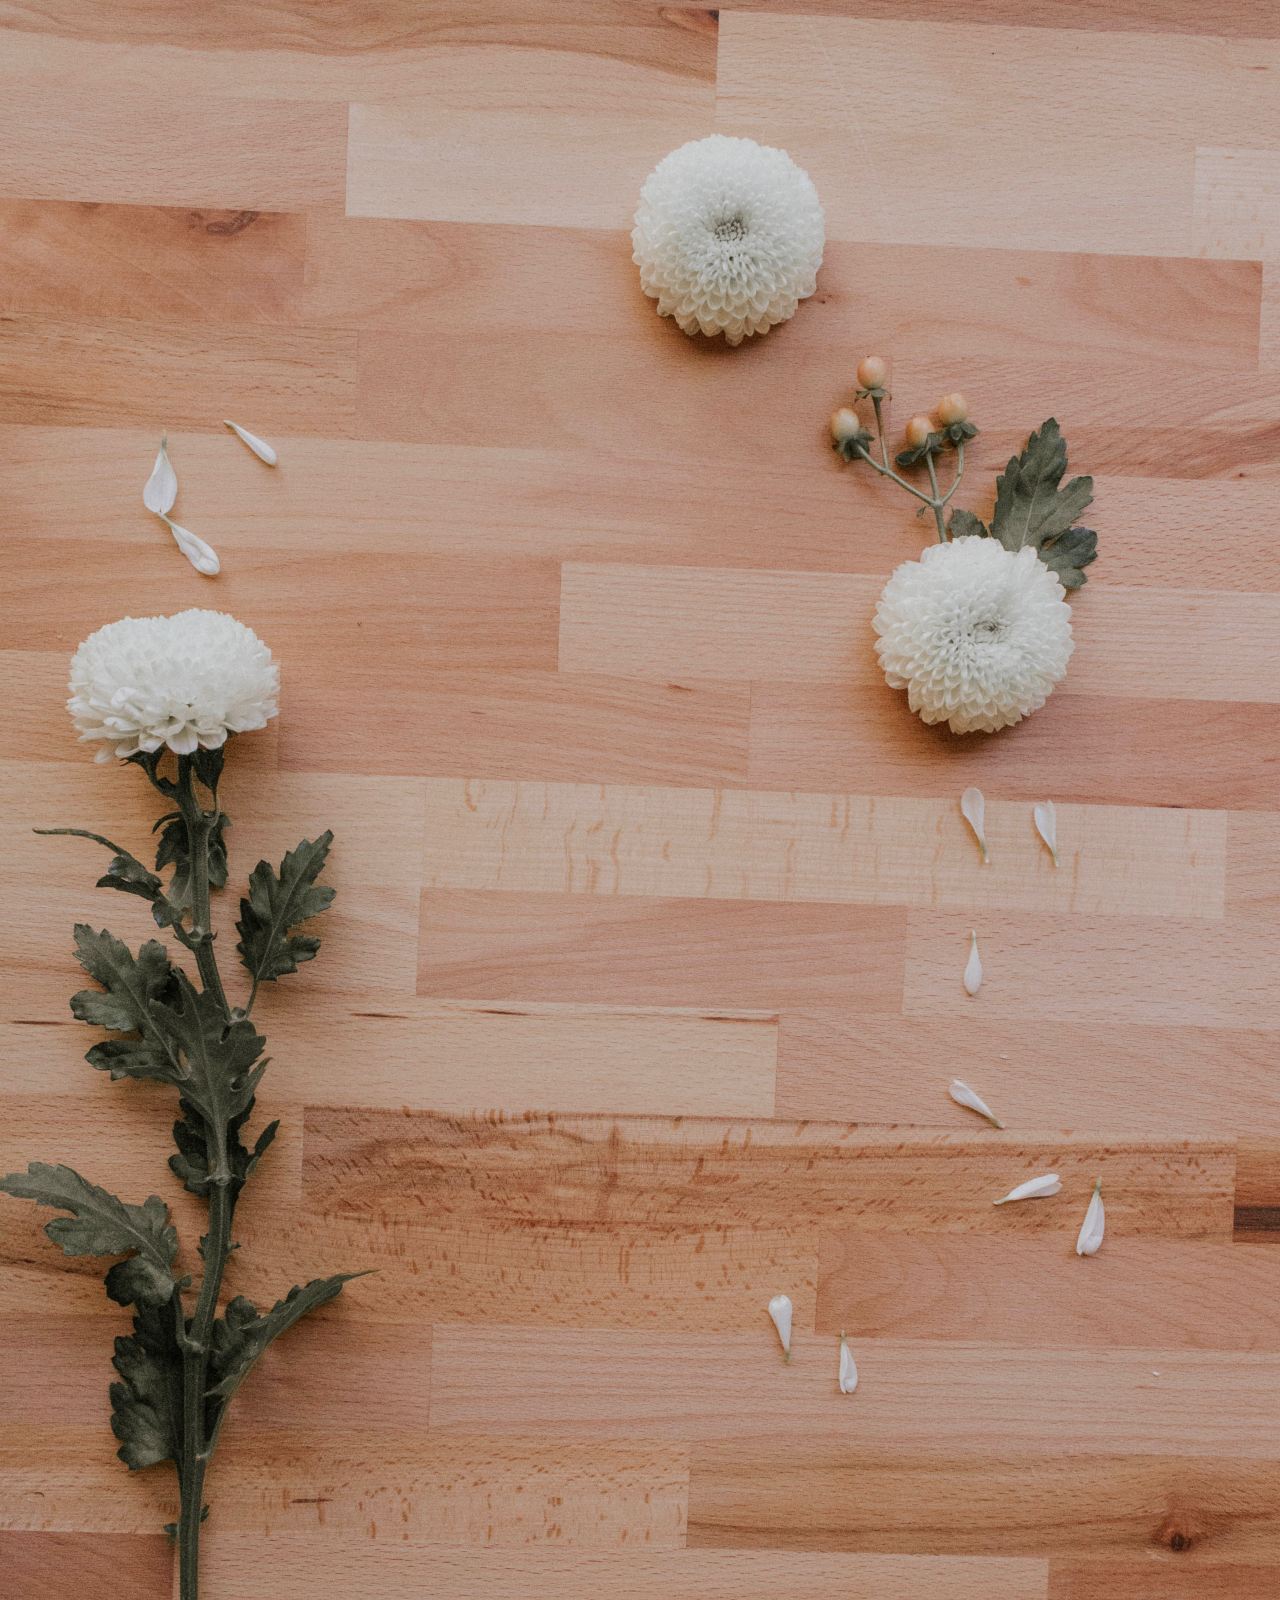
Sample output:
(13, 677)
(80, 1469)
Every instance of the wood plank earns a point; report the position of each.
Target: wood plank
(1178, 1295)
(686, 1175)
(1113, 751)
(840, 1494)
(400, 1570)
(393, 1486)
(130, 1566)
(1121, 181)
(1148, 1077)
(134, 149)
(794, 846)
(92, 371)
(652, 951)
(1077, 1579)
(1119, 970)
(670, 621)
(966, 1398)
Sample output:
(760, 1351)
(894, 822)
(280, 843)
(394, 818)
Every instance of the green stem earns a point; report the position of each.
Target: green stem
(936, 503)
(884, 448)
(888, 472)
(199, 829)
(955, 482)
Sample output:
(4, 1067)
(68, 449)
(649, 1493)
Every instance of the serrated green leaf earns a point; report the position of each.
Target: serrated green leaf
(279, 902)
(102, 1225)
(1030, 507)
(964, 524)
(1069, 553)
(172, 851)
(220, 1066)
(146, 1405)
(242, 1334)
(137, 992)
(124, 872)
(191, 1164)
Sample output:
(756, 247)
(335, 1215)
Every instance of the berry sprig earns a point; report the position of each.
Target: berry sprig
(925, 438)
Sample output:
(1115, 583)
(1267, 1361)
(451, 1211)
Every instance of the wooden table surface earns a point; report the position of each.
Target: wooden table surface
(642, 990)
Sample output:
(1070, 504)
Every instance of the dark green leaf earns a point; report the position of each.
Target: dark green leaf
(146, 1405)
(241, 1336)
(964, 523)
(1031, 509)
(102, 1225)
(914, 453)
(278, 902)
(172, 851)
(220, 1066)
(1069, 553)
(191, 1164)
(137, 993)
(124, 872)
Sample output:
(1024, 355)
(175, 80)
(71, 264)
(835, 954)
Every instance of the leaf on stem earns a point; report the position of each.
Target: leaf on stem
(243, 1333)
(124, 872)
(146, 1405)
(102, 1225)
(1031, 509)
(134, 991)
(191, 1164)
(278, 902)
(964, 524)
(172, 851)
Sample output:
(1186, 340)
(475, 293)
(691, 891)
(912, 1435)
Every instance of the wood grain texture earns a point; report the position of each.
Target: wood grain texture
(641, 992)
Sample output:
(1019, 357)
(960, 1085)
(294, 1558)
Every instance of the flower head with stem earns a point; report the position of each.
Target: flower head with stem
(165, 694)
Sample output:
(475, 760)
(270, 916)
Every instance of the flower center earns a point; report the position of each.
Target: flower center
(729, 230)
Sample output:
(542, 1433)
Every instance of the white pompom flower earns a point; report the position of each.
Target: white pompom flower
(186, 681)
(728, 236)
(978, 636)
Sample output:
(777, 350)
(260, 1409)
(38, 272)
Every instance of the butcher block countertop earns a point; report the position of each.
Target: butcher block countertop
(641, 993)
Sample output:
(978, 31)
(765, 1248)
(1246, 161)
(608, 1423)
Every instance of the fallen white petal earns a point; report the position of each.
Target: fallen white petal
(161, 489)
(848, 1368)
(1093, 1226)
(780, 1311)
(974, 807)
(973, 967)
(1032, 1189)
(1046, 819)
(260, 447)
(203, 557)
(963, 1095)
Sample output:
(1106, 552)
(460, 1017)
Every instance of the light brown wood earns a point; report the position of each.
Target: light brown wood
(641, 992)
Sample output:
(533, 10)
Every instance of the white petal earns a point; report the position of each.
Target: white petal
(203, 557)
(161, 489)
(973, 967)
(780, 1311)
(963, 1095)
(1046, 819)
(974, 807)
(848, 1368)
(260, 447)
(1093, 1226)
(1033, 1189)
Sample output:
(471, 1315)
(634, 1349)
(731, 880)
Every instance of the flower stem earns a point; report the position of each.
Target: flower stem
(884, 448)
(888, 472)
(936, 503)
(199, 825)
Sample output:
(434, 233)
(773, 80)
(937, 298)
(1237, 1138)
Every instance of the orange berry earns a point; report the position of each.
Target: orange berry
(918, 430)
(845, 424)
(872, 372)
(951, 408)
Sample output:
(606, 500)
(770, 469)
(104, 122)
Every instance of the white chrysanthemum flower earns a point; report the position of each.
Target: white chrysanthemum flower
(728, 237)
(976, 634)
(183, 681)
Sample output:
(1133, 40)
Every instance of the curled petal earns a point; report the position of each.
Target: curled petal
(203, 557)
(1046, 820)
(963, 1095)
(1094, 1225)
(974, 806)
(780, 1312)
(973, 967)
(260, 447)
(1048, 1183)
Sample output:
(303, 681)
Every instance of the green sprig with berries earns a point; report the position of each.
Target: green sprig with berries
(1033, 507)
